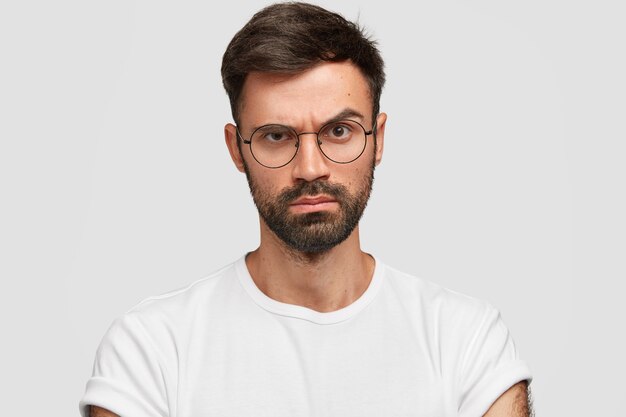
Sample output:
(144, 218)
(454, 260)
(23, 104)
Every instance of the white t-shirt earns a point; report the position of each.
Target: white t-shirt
(221, 347)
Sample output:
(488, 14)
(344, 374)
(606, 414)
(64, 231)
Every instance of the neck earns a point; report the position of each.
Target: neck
(323, 282)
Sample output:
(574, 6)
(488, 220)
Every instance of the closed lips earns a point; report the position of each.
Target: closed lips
(313, 204)
(313, 201)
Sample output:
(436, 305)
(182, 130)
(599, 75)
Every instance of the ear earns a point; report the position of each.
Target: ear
(230, 134)
(381, 120)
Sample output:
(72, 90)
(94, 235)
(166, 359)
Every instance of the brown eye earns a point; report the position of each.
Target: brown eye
(273, 134)
(337, 132)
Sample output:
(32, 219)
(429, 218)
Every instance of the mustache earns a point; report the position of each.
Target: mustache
(313, 188)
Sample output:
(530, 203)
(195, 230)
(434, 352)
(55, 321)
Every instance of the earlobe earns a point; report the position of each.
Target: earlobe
(381, 121)
(230, 135)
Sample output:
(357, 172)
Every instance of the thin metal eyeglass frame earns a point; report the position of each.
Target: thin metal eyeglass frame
(317, 134)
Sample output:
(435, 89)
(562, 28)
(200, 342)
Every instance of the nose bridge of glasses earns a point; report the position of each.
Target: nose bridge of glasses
(317, 138)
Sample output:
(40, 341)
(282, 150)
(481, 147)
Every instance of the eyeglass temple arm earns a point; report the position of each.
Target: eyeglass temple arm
(246, 141)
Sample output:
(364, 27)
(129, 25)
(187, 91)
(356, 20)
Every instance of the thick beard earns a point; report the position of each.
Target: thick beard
(317, 232)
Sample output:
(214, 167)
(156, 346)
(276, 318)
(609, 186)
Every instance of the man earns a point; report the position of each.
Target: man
(307, 324)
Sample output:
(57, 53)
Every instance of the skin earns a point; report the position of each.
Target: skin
(96, 411)
(334, 279)
(513, 403)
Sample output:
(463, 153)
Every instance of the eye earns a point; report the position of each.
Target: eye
(273, 134)
(340, 131)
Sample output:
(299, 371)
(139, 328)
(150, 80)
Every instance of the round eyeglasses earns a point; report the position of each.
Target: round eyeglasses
(274, 146)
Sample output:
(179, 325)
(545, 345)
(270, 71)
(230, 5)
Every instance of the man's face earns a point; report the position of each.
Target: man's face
(311, 204)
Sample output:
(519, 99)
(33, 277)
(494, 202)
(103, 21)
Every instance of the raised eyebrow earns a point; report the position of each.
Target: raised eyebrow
(346, 113)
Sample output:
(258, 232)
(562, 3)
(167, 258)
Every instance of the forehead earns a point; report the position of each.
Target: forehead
(306, 99)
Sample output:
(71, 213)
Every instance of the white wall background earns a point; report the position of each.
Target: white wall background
(503, 176)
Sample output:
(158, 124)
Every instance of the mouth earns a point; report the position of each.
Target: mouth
(310, 204)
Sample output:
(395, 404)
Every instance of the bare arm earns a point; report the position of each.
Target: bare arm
(515, 402)
(95, 411)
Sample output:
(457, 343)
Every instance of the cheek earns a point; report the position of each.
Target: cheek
(352, 175)
(269, 182)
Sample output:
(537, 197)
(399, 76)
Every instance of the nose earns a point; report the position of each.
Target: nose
(309, 164)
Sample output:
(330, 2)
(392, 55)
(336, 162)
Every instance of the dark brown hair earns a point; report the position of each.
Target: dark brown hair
(289, 38)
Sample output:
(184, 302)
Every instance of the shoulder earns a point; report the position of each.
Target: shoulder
(434, 299)
(163, 319)
(448, 319)
(466, 334)
(198, 293)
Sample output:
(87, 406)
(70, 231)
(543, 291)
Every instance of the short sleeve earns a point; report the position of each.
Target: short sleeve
(490, 366)
(128, 377)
